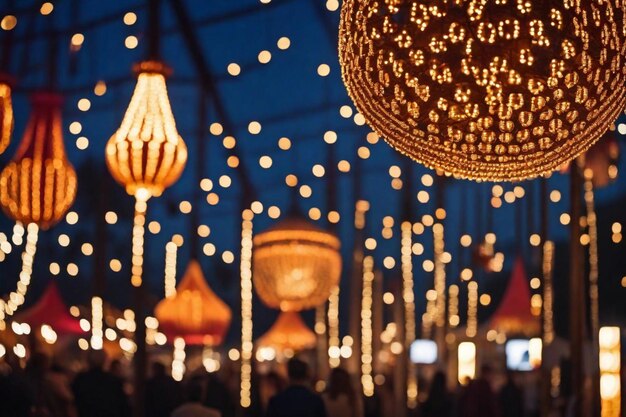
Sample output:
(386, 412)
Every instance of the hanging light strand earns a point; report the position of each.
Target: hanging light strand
(139, 223)
(408, 296)
(171, 250)
(548, 296)
(472, 309)
(17, 297)
(366, 327)
(592, 228)
(333, 326)
(246, 309)
(439, 278)
(96, 323)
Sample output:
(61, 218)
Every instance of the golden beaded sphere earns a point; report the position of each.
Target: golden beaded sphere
(295, 265)
(495, 90)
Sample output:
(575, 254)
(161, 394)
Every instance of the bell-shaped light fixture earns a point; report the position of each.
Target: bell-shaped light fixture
(295, 265)
(6, 113)
(146, 154)
(194, 313)
(39, 184)
(496, 91)
(289, 332)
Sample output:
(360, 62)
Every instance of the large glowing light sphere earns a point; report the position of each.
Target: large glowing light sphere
(39, 184)
(295, 265)
(486, 89)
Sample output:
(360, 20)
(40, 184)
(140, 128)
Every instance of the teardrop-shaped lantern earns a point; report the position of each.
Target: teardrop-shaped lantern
(146, 152)
(195, 313)
(296, 265)
(39, 184)
(289, 332)
(6, 113)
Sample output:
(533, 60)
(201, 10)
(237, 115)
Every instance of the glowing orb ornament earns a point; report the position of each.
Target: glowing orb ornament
(486, 89)
(39, 184)
(295, 265)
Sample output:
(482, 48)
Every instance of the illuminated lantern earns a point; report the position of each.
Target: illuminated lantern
(289, 332)
(39, 184)
(295, 265)
(194, 313)
(146, 154)
(6, 113)
(486, 90)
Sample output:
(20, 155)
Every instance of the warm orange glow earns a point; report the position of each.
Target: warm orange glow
(6, 115)
(147, 152)
(296, 265)
(289, 332)
(194, 313)
(39, 184)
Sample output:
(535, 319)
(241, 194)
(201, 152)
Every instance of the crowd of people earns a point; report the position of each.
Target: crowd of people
(44, 389)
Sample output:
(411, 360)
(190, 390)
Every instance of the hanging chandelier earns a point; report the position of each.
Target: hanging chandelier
(146, 154)
(481, 90)
(39, 184)
(295, 265)
(6, 113)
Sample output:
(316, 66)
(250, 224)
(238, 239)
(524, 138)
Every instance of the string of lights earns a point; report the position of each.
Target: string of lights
(171, 250)
(97, 318)
(246, 309)
(17, 297)
(592, 230)
(472, 309)
(366, 327)
(548, 296)
(333, 328)
(408, 297)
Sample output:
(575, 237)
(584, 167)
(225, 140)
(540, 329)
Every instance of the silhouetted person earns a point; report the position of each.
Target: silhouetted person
(511, 398)
(16, 397)
(51, 394)
(478, 398)
(163, 394)
(297, 400)
(270, 385)
(439, 402)
(97, 392)
(340, 398)
(193, 405)
(217, 396)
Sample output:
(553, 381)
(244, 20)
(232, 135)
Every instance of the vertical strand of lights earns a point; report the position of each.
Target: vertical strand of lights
(610, 368)
(472, 309)
(96, 323)
(320, 331)
(593, 255)
(427, 317)
(246, 309)
(408, 296)
(139, 223)
(453, 306)
(366, 327)
(548, 296)
(17, 297)
(333, 328)
(171, 250)
(439, 284)
(178, 364)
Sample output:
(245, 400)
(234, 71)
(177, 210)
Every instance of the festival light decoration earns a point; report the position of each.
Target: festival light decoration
(408, 296)
(610, 367)
(6, 113)
(592, 230)
(367, 354)
(170, 269)
(194, 313)
(466, 362)
(289, 334)
(245, 272)
(296, 265)
(548, 294)
(472, 309)
(333, 328)
(434, 81)
(146, 154)
(439, 284)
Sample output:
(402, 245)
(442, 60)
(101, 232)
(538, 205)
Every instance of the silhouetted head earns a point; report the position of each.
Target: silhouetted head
(96, 359)
(195, 390)
(297, 370)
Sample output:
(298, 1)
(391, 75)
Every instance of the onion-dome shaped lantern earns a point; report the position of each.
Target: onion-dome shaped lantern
(194, 313)
(6, 113)
(289, 332)
(295, 265)
(39, 184)
(147, 153)
(496, 91)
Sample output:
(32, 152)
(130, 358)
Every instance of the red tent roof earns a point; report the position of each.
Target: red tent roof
(513, 315)
(50, 310)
